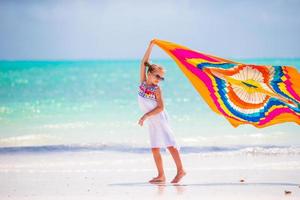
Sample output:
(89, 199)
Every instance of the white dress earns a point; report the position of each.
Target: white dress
(161, 134)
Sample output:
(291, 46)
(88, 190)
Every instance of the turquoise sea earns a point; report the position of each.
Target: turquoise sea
(79, 105)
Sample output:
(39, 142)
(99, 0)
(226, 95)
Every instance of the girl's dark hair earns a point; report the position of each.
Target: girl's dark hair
(153, 67)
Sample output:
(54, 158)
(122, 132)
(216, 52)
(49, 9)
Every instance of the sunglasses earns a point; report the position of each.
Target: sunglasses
(159, 77)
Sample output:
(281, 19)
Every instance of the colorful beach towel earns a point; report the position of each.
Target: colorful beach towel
(260, 95)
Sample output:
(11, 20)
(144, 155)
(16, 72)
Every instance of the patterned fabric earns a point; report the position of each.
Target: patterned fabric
(147, 91)
(260, 95)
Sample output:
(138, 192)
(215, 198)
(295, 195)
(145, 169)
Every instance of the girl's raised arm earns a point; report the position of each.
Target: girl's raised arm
(145, 59)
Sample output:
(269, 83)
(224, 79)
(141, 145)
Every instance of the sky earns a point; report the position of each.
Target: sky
(122, 29)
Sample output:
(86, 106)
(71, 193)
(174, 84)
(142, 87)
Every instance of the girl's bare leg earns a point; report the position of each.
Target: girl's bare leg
(180, 171)
(159, 165)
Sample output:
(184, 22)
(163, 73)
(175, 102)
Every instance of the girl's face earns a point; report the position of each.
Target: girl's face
(156, 76)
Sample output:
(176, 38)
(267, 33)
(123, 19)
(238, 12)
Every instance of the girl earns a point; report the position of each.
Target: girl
(151, 102)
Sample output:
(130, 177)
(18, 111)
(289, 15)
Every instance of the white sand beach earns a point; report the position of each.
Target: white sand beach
(115, 175)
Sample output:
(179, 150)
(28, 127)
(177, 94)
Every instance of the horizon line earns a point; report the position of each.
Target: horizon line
(131, 59)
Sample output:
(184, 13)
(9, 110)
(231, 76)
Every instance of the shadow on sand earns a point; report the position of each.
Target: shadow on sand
(205, 184)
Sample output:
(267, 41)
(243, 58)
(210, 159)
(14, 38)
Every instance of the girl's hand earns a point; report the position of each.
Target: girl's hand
(151, 44)
(142, 119)
(152, 41)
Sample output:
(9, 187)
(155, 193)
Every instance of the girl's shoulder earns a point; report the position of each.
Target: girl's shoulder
(154, 87)
(149, 87)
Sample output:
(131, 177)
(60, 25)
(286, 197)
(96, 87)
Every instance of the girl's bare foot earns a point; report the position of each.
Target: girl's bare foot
(179, 176)
(158, 179)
